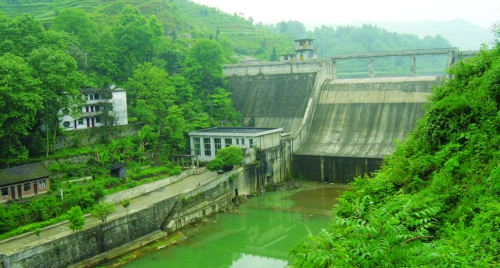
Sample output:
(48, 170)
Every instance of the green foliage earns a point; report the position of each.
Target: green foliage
(228, 156)
(102, 211)
(125, 204)
(76, 219)
(435, 203)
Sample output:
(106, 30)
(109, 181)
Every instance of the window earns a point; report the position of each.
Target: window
(91, 96)
(86, 97)
(96, 96)
(98, 119)
(242, 141)
(97, 108)
(87, 109)
(208, 150)
(229, 142)
(5, 191)
(197, 147)
(42, 184)
(27, 187)
(250, 141)
(66, 124)
(92, 108)
(218, 144)
(80, 121)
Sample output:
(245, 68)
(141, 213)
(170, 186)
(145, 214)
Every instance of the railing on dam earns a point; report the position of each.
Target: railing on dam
(314, 66)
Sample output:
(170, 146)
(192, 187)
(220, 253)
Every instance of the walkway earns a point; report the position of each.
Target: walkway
(14, 245)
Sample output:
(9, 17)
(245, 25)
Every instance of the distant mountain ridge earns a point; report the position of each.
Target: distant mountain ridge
(459, 32)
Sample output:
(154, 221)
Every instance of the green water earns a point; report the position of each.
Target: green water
(267, 228)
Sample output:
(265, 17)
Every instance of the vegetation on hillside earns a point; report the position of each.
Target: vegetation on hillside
(436, 203)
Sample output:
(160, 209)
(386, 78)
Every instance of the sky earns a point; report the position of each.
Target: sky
(482, 13)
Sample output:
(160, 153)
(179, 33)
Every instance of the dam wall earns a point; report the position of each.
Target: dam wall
(272, 100)
(356, 122)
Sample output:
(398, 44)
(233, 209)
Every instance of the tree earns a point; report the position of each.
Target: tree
(19, 104)
(125, 204)
(226, 157)
(76, 219)
(274, 56)
(78, 23)
(132, 33)
(203, 67)
(21, 35)
(60, 82)
(102, 211)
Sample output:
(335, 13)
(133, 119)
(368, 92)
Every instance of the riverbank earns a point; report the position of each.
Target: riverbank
(310, 209)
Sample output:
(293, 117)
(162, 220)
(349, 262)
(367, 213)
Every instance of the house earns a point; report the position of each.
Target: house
(118, 170)
(206, 142)
(104, 106)
(304, 51)
(22, 181)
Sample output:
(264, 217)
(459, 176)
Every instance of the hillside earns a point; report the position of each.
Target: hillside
(186, 18)
(459, 32)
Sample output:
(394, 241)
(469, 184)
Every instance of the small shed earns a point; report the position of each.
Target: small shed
(118, 170)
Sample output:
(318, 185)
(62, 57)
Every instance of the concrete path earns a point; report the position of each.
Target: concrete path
(13, 245)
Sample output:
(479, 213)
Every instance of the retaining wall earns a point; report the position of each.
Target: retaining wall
(82, 245)
(148, 187)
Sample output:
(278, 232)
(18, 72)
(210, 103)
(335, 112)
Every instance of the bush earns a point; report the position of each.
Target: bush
(225, 158)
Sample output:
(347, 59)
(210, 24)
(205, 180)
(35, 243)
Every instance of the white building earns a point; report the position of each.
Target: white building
(103, 107)
(206, 142)
(304, 50)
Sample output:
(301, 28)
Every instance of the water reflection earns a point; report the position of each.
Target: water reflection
(260, 236)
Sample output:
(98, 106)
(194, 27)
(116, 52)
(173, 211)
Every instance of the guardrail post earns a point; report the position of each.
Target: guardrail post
(371, 72)
(413, 67)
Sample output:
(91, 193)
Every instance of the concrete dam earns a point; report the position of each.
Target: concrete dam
(338, 128)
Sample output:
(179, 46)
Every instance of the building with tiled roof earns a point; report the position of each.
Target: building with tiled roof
(22, 181)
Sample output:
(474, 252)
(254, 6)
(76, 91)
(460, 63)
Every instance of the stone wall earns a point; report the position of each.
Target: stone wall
(86, 137)
(148, 187)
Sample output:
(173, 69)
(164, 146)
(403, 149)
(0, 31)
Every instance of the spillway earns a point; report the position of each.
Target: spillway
(356, 122)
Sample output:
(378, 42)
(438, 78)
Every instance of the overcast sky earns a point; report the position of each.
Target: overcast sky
(479, 12)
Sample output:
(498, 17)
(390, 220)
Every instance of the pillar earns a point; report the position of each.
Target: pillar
(334, 69)
(371, 73)
(322, 167)
(413, 67)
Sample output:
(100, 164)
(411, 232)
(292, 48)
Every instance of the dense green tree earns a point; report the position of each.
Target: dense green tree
(274, 55)
(19, 104)
(78, 23)
(103, 211)
(21, 35)
(203, 67)
(226, 157)
(59, 83)
(76, 219)
(132, 34)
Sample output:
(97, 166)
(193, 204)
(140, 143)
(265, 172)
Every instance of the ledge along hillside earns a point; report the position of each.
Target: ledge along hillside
(436, 201)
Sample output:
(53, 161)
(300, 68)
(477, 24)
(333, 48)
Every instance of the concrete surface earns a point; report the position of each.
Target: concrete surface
(362, 117)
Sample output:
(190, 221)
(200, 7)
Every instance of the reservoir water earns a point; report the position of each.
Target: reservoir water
(261, 236)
